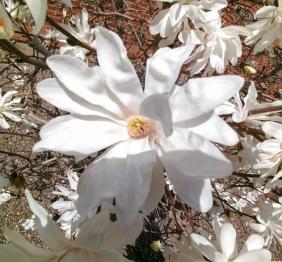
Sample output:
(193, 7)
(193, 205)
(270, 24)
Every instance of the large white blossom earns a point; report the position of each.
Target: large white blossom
(174, 20)
(225, 249)
(81, 30)
(269, 217)
(99, 240)
(8, 105)
(266, 30)
(166, 126)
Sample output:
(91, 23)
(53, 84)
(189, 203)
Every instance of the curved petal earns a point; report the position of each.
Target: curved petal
(183, 151)
(38, 9)
(272, 129)
(49, 233)
(157, 107)
(262, 255)
(160, 22)
(157, 189)
(6, 26)
(87, 83)
(214, 129)
(54, 92)
(124, 173)
(227, 240)
(201, 95)
(163, 68)
(204, 246)
(73, 135)
(254, 242)
(118, 71)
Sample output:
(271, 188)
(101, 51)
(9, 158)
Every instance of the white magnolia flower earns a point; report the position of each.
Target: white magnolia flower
(164, 126)
(266, 30)
(98, 240)
(28, 224)
(8, 105)
(270, 152)
(240, 112)
(6, 26)
(221, 46)
(269, 216)
(66, 208)
(239, 204)
(174, 20)
(225, 247)
(80, 29)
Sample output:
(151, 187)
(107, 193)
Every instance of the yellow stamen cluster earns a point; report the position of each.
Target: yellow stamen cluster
(139, 126)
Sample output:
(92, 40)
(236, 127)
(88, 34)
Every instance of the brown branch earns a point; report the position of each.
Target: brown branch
(265, 110)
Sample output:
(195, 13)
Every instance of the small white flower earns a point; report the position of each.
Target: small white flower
(269, 162)
(28, 224)
(99, 239)
(221, 46)
(8, 105)
(225, 247)
(269, 216)
(240, 112)
(66, 208)
(266, 30)
(174, 20)
(164, 126)
(81, 30)
(239, 204)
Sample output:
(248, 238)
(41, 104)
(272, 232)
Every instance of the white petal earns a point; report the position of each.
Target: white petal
(12, 116)
(100, 234)
(157, 107)
(184, 150)
(273, 129)
(123, 172)
(46, 227)
(38, 9)
(254, 256)
(56, 94)
(201, 95)
(163, 68)
(156, 190)
(118, 71)
(87, 83)
(228, 240)
(3, 123)
(203, 245)
(75, 136)
(254, 242)
(8, 26)
(214, 129)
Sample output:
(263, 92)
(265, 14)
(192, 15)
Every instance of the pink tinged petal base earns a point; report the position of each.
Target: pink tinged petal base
(157, 107)
(79, 136)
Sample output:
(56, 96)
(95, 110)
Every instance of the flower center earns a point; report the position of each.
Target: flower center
(2, 26)
(139, 126)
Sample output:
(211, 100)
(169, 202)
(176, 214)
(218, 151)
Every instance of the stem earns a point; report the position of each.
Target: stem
(265, 109)
(15, 154)
(12, 49)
